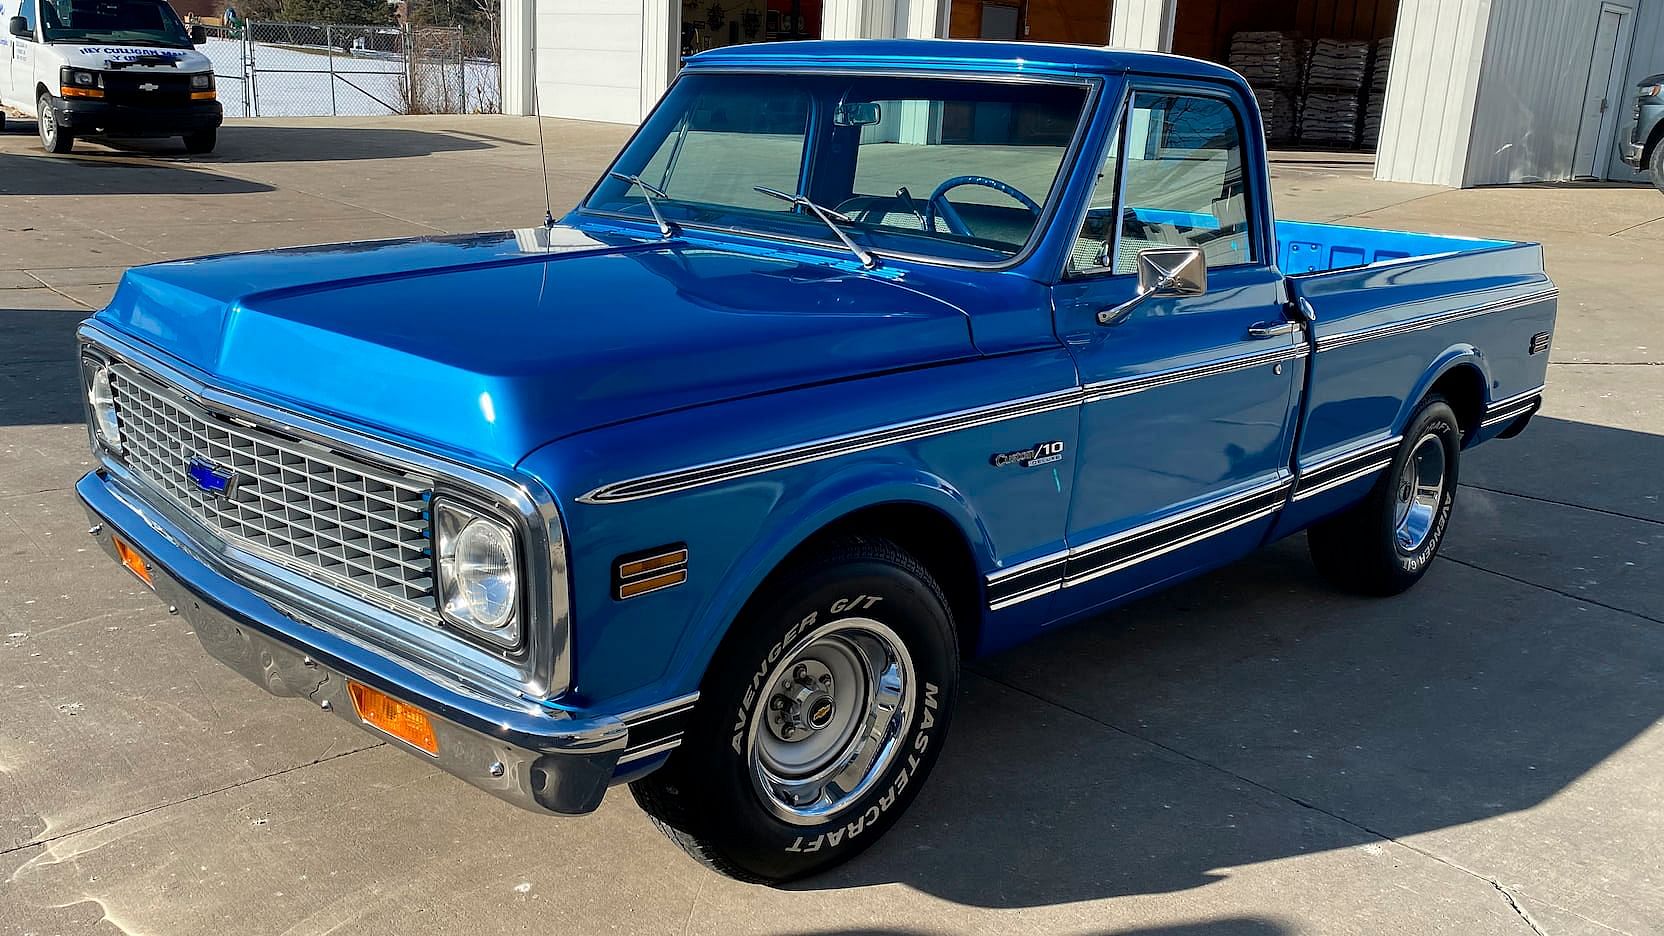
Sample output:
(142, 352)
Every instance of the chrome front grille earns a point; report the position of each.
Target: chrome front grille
(338, 520)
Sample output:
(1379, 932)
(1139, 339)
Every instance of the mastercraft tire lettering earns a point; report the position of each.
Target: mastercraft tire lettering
(827, 708)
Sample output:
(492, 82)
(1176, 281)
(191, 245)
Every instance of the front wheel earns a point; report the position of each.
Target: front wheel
(202, 142)
(818, 721)
(53, 138)
(1385, 543)
(1656, 166)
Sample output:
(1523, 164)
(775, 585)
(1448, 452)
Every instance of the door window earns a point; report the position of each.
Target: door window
(1183, 187)
(28, 13)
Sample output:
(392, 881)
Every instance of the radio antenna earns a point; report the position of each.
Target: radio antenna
(543, 156)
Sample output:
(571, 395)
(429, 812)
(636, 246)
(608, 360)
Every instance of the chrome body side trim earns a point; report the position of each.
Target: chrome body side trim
(683, 479)
(1330, 342)
(1513, 408)
(1081, 564)
(1348, 466)
(1106, 389)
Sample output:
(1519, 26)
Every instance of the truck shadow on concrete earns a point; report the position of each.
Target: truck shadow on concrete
(1225, 926)
(1255, 714)
(87, 173)
(240, 143)
(39, 380)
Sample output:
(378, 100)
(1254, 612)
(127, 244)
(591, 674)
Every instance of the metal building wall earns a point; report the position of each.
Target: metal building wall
(1432, 87)
(1531, 90)
(1142, 24)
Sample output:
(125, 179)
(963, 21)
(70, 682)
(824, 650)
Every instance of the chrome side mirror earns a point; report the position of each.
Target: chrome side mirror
(1162, 271)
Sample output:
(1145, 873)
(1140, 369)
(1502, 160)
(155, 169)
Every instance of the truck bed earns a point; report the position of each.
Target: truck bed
(1403, 310)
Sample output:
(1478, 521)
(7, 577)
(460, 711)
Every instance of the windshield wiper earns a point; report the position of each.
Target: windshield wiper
(650, 194)
(832, 219)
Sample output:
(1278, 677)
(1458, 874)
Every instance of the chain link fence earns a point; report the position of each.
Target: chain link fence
(267, 69)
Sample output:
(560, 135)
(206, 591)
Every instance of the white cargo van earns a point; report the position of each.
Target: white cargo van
(106, 68)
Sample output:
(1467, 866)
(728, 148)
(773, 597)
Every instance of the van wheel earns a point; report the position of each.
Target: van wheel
(818, 721)
(1656, 164)
(1385, 543)
(53, 138)
(202, 142)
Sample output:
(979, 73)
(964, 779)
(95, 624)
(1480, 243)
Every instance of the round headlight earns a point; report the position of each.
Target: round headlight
(103, 402)
(481, 577)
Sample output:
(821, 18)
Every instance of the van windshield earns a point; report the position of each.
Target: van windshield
(123, 22)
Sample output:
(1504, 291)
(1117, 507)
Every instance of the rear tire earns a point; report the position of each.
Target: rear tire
(53, 138)
(1384, 544)
(198, 143)
(777, 779)
(1655, 165)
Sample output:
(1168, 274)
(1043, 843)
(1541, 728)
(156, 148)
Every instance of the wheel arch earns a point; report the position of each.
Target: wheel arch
(920, 512)
(1461, 377)
(1654, 137)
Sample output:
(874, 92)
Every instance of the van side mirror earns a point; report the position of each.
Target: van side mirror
(18, 26)
(1162, 271)
(199, 35)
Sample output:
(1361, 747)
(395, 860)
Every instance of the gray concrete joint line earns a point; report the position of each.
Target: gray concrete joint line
(1581, 599)
(188, 799)
(1560, 503)
(1519, 910)
(1506, 894)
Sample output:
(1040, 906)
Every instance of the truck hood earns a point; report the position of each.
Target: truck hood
(131, 59)
(490, 345)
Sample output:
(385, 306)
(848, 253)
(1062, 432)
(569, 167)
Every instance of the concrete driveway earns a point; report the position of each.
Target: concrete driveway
(1249, 754)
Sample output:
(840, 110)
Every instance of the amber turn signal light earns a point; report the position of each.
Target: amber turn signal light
(133, 561)
(405, 722)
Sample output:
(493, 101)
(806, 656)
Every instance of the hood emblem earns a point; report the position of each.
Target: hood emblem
(149, 86)
(213, 479)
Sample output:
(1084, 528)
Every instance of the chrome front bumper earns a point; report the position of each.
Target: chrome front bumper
(545, 761)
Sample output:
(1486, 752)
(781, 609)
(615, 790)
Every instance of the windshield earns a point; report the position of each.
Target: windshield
(124, 22)
(955, 169)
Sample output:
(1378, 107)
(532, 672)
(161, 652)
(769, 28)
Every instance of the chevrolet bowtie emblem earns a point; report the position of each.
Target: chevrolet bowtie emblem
(149, 86)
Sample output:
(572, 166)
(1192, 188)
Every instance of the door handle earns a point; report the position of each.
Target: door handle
(1271, 329)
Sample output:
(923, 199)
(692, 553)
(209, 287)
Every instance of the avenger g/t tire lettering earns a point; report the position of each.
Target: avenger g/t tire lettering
(1385, 543)
(819, 719)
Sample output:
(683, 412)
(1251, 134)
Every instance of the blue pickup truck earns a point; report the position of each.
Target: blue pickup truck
(863, 359)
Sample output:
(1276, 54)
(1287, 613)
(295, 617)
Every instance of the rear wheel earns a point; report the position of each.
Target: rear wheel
(818, 721)
(1656, 166)
(53, 138)
(1385, 543)
(202, 142)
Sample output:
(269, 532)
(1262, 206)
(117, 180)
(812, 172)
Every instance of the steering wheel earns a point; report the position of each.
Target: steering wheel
(938, 205)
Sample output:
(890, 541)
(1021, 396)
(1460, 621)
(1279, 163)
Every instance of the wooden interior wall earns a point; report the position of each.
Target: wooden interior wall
(1084, 22)
(1203, 28)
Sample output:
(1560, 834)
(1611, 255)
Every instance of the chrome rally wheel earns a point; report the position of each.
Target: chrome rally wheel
(819, 718)
(832, 723)
(1419, 490)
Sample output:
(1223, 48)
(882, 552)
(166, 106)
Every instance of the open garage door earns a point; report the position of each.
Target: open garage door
(1318, 67)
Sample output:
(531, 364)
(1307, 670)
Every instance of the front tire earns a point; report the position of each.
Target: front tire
(1385, 543)
(818, 721)
(53, 138)
(202, 142)
(1655, 166)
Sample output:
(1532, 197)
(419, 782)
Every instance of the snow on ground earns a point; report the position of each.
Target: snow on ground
(292, 81)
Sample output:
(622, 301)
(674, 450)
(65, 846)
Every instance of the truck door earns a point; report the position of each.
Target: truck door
(1189, 414)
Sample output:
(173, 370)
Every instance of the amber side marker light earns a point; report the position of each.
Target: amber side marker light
(133, 561)
(405, 722)
(649, 571)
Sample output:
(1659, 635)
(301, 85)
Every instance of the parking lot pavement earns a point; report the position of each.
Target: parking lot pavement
(1251, 753)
